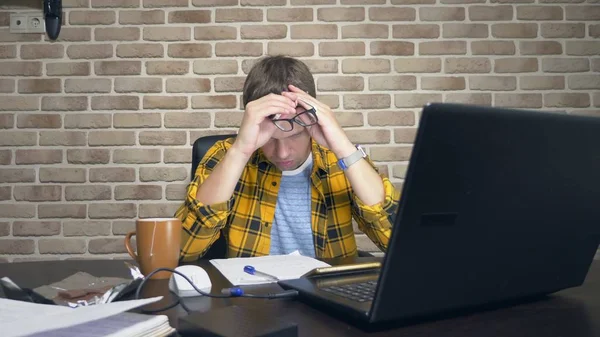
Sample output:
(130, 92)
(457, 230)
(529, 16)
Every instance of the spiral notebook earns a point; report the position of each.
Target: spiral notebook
(19, 318)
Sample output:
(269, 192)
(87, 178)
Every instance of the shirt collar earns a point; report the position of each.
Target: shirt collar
(318, 152)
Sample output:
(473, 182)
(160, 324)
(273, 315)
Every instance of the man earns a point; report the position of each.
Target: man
(277, 186)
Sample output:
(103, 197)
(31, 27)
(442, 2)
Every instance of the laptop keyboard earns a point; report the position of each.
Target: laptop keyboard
(360, 292)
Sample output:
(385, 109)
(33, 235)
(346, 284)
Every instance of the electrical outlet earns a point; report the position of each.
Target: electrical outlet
(27, 23)
(18, 23)
(36, 24)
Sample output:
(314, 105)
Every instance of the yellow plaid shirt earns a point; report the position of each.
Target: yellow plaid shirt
(246, 218)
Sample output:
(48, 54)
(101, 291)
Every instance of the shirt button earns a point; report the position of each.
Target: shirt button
(274, 183)
(266, 224)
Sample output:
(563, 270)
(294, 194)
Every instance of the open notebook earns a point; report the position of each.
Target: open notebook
(19, 318)
(127, 324)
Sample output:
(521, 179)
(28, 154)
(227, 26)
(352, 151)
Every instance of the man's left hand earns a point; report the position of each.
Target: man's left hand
(327, 132)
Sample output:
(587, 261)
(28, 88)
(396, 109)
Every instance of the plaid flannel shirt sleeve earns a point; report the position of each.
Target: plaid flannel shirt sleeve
(376, 221)
(202, 223)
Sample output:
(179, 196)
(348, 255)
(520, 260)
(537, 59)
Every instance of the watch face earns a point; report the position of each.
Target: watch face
(364, 154)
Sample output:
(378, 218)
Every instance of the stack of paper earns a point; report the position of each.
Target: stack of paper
(19, 318)
(283, 267)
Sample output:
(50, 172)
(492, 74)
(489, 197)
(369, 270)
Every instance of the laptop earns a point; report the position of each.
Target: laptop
(498, 206)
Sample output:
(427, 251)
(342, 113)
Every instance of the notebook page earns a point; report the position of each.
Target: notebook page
(284, 267)
(124, 324)
(35, 318)
(11, 311)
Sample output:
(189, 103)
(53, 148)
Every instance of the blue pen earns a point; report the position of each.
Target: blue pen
(252, 271)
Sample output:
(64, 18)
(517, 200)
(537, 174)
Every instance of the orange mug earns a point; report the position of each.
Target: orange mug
(158, 245)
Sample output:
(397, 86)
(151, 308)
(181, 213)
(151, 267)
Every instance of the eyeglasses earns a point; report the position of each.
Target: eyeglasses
(305, 118)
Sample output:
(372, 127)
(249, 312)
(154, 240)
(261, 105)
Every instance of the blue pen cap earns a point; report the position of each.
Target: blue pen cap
(234, 292)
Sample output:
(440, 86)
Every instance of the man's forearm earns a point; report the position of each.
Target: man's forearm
(220, 184)
(365, 182)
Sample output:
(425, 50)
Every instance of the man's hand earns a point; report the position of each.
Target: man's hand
(365, 181)
(255, 131)
(256, 128)
(327, 132)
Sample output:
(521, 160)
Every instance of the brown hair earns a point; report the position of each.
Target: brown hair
(272, 74)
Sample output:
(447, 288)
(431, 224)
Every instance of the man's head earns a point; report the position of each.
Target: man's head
(273, 74)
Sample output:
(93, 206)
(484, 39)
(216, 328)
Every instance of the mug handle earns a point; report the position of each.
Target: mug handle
(128, 245)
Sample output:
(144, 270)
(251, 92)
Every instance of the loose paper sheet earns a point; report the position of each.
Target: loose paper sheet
(284, 267)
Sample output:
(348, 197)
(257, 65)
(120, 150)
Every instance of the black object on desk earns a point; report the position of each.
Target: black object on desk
(235, 321)
(14, 292)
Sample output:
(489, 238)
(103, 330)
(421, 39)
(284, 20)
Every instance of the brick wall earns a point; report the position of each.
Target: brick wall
(96, 128)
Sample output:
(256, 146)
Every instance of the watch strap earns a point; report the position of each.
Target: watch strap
(357, 155)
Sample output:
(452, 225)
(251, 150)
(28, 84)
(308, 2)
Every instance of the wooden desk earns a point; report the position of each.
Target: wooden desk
(573, 312)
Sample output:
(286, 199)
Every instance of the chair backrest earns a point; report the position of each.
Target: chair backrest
(201, 146)
(219, 248)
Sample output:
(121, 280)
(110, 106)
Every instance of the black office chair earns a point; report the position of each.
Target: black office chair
(219, 249)
(201, 146)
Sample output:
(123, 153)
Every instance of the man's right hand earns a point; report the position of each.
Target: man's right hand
(256, 128)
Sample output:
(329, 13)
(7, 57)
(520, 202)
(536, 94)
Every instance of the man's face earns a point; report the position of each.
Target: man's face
(288, 150)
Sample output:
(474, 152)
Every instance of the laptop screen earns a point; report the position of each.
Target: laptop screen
(497, 204)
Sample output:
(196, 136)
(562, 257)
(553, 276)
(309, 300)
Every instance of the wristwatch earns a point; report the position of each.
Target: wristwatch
(345, 162)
